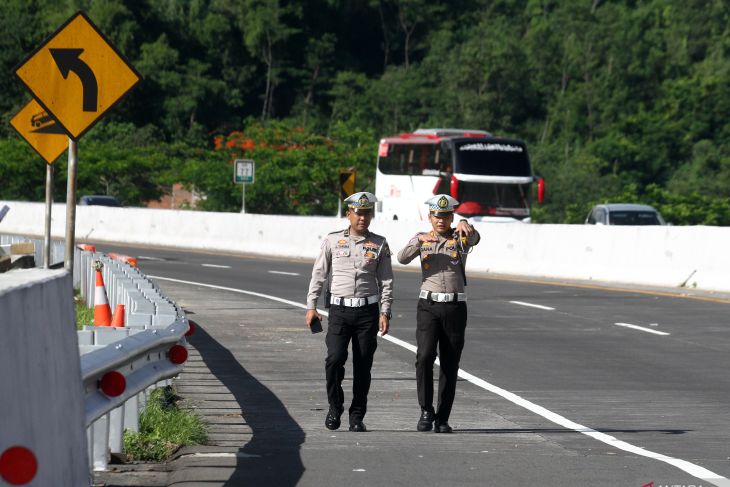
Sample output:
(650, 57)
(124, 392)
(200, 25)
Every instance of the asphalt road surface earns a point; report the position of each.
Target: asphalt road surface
(562, 384)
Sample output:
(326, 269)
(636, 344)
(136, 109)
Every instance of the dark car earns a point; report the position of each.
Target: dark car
(99, 200)
(624, 214)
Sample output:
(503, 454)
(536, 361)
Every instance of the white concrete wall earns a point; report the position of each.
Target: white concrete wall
(41, 403)
(663, 256)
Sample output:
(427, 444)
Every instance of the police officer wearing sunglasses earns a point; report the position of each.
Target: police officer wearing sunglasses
(357, 262)
(441, 312)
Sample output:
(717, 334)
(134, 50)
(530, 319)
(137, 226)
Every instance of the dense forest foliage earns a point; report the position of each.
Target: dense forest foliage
(618, 100)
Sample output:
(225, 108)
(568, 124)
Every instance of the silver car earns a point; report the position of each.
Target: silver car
(624, 214)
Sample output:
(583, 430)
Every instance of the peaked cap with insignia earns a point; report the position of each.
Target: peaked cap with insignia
(362, 199)
(442, 203)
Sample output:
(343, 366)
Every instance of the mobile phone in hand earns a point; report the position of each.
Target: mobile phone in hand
(316, 325)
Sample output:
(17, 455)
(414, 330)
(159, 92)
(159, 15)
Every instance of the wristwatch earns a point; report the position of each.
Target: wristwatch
(387, 314)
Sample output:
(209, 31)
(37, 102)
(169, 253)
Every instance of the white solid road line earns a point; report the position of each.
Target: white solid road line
(539, 306)
(216, 266)
(641, 328)
(691, 468)
(284, 273)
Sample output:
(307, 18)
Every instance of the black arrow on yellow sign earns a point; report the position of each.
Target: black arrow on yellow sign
(347, 183)
(68, 60)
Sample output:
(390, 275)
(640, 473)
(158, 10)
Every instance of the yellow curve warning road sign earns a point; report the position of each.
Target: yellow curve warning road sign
(77, 75)
(41, 131)
(347, 183)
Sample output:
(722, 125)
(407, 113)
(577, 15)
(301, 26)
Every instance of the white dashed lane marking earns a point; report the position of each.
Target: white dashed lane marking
(216, 266)
(284, 273)
(530, 305)
(641, 328)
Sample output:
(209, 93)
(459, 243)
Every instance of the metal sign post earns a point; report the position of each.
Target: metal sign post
(243, 172)
(243, 198)
(71, 206)
(49, 207)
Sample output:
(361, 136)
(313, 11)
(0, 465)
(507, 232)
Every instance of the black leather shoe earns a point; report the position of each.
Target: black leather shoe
(425, 423)
(358, 426)
(442, 427)
(332, 421)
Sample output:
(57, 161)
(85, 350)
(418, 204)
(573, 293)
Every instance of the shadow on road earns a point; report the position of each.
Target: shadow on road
(272, 456)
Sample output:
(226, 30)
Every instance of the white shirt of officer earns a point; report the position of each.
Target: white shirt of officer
(443, 258)
(360, 265)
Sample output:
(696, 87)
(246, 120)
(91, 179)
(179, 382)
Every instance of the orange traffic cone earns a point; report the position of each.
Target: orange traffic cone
(102, 311)
(118, 318)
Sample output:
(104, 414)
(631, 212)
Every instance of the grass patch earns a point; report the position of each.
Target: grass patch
(163, 428)
(84, 315)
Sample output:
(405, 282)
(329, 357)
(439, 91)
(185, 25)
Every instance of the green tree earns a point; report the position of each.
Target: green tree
(265, 29)
(22, 171)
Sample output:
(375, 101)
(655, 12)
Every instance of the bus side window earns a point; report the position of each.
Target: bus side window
(411, 164)
(443, 156)
(431, 157)
(400, 166)
(423, 162)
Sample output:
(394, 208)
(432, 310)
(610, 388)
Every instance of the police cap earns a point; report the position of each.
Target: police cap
(361, 201)
(441, 204)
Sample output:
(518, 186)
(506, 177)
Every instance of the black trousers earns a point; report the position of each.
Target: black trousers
(442, 325)
(359, 325)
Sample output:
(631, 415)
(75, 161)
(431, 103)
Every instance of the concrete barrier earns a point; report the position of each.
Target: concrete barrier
(41, 405)
(694, 257)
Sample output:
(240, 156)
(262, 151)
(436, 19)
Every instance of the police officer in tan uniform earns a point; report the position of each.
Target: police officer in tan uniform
(441, 311)
(361, 276)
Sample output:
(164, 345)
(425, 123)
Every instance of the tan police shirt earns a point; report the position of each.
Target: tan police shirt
(441, 270)
(359, 266)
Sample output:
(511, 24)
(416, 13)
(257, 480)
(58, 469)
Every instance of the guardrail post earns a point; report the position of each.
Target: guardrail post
(116, 430)
(99, 443)
(131, 414)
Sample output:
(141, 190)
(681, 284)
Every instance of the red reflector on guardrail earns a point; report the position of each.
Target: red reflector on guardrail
(191, 328)
(113, 384)
(18, 465)
(178, 354)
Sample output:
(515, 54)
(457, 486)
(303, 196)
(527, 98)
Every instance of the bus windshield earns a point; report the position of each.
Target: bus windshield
(414, 160)
(492, 158)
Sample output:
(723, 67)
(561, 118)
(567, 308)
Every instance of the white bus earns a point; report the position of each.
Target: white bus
(491, 176)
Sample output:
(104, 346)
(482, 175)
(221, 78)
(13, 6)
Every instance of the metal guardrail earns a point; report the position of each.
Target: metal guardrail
(57, 249)
(121, 366)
